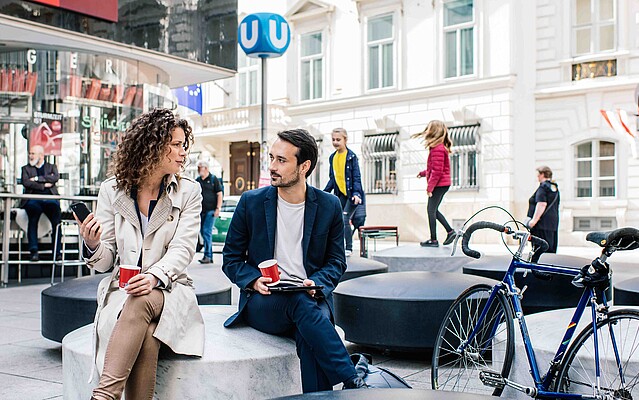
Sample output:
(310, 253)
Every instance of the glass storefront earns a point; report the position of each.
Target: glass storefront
(76, 105)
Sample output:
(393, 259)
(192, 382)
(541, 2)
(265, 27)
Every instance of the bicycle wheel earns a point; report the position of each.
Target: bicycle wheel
(492, 347)
(577, 370)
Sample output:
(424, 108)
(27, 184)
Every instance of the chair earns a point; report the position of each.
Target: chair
(66, 224)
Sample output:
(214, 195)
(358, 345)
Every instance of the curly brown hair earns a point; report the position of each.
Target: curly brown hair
(144, 144)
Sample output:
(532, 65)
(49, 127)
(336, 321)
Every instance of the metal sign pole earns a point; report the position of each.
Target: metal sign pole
(264, 104)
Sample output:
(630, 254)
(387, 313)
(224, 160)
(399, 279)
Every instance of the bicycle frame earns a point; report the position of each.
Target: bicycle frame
(589, 296)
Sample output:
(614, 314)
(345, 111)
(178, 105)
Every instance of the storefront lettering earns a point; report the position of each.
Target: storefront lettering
(32, 56)
(73, 61)
(105, 123)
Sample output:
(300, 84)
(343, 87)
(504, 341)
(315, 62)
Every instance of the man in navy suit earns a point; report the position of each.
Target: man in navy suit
(302, 228)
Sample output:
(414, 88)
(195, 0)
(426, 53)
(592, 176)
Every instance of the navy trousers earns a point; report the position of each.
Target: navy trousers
(34, 209)
(323, 358)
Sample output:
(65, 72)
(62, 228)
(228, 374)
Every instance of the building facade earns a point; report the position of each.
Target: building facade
(501, 74)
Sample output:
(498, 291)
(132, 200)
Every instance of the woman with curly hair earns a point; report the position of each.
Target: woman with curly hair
(437, 174)
(147, 216)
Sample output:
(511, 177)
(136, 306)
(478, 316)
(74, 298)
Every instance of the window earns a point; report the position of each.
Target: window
(311, 66)
(459, 38)
(588, 224)
(594, 26)
(381, 42)
(379, 173)
(247, 69)
(463, 157)
(596, 170)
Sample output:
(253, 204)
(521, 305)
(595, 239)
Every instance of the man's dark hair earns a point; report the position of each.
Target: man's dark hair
(306, 146)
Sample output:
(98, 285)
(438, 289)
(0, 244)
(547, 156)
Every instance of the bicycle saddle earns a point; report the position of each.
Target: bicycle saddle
(622, 238)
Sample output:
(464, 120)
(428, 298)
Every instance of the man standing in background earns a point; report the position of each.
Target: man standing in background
(211, 203)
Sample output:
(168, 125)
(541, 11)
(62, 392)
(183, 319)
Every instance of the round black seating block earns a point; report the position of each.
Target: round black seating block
(386, 394)
(540, 295)
(627, 292)
(359, 266)
(72, 304)
(398, 310)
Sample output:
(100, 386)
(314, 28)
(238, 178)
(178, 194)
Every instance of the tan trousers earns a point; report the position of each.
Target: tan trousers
(132, 353)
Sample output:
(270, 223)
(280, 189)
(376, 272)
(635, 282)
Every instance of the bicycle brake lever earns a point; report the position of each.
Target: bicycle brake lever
(459, 234)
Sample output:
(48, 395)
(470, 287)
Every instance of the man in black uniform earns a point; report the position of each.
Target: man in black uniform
(543, 210)
(211, 203)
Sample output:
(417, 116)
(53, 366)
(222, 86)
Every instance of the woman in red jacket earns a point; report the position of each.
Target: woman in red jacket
(437, 173)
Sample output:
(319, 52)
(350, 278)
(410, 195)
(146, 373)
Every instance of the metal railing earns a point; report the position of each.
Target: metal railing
(7, 200)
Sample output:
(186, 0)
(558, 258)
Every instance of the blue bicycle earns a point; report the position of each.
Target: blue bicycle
(475, 346)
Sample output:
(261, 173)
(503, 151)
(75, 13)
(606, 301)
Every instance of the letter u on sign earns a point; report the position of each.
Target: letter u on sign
(264, 35)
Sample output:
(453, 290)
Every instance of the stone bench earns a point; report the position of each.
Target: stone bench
(386, 394)
(398, 310)
(627, 292)
(546, 329)
(541, 295)
(239, 363)
(359, 266)
(72, 304)
(413, 257)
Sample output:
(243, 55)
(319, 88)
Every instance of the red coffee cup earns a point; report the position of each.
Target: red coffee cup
(127, 272)
(269, 269)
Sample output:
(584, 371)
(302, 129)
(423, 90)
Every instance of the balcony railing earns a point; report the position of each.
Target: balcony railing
(243, 118)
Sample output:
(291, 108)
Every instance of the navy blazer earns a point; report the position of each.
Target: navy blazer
(51, 175)
(352, 175)
(251, 240)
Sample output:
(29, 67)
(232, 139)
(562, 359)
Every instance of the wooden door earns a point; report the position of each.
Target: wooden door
(245, 166)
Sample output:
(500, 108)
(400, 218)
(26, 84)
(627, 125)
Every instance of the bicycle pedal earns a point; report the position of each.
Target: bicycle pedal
(492, 379)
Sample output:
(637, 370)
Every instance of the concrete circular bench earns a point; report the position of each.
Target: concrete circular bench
(398, 310)
(385, 394)
(627, 292)
(359, 266)
(72, 304)
(238, 363)
(416, 258)
(546, 330)
(541, 295)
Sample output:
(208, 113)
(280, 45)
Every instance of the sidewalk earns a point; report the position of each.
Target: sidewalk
(31, 366)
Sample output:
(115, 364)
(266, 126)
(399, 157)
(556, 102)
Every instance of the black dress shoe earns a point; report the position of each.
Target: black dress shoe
(205, 260)
(34, 257)
(355, 383)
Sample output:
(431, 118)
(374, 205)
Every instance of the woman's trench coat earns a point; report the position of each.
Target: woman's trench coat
(167, 249)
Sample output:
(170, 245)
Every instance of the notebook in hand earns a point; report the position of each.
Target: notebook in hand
(293, 288)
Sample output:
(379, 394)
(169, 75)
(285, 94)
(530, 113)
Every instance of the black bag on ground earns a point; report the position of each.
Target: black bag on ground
(376, 377)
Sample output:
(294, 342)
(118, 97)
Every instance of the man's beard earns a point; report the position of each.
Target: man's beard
(283, 184)
(33, 163)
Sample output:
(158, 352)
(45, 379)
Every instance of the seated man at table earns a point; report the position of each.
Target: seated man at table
(302, 227)
(40, 177)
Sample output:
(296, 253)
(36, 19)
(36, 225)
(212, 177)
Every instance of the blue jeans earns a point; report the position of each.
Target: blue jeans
(34, 209)
(348, 208)
(206, 230)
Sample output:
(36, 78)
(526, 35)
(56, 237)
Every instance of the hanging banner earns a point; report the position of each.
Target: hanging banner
(104, 9)
(47, 132)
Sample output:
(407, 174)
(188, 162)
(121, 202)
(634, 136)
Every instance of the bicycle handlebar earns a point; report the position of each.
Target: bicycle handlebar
(536, 241)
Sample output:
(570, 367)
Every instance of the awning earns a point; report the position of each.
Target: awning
(464, 137)
(19, 33)
(380, 145)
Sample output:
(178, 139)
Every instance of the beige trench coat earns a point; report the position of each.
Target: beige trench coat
(169, 247)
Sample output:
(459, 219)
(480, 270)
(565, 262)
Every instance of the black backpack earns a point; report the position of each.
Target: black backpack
(376, 377)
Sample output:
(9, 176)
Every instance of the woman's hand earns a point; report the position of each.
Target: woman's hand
(356, 200)
(430, 194)
(419, 175)
(90, 230)
(141, 284)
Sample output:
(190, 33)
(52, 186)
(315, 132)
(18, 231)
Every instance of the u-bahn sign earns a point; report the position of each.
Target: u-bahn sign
(264, 35)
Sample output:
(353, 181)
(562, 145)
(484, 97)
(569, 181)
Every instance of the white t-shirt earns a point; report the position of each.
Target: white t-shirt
(288, 241)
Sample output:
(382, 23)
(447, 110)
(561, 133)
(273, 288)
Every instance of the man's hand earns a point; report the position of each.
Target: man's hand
(48, 185)
(33, 178)
(260, 285)
(217, 212)
(309, 282)
(357, 200)
(141, 284)
(90, 230)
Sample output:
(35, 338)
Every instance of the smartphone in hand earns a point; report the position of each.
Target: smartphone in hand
(80, 209)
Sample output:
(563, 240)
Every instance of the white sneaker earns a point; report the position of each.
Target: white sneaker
(348, 253)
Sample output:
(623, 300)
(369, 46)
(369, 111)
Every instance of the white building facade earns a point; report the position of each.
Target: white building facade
(498, 72)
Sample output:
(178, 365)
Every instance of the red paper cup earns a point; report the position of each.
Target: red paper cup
(127, 272)
(269, 269)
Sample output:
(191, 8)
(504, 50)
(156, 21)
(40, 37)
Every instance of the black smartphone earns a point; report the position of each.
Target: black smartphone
(294, 288)
(80, 209)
